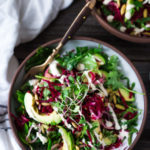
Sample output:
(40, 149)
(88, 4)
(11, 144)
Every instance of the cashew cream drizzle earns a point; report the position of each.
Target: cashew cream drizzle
(117, 126)
(106, 2)
(128, 11)
(63, 119)
(53, 68)
(86, 73)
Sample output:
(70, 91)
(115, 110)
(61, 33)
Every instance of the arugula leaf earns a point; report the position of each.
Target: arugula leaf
(132, 131)
(82, 55)
(20, 96)
(114, 80)
(49, 144)
(105, 10)
(37, 59)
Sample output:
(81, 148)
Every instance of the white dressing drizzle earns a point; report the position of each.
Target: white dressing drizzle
(128, 11)
(53, 68)
(123, 29)
(33, 82)
(106, 2)
(109, 124)
(42, 138)
(110, 18)
(86, 73)
(146, 1)
(103, 89)
(139, 30)
(61, 80)
(63, 119)
(117, 126)
(124, 133)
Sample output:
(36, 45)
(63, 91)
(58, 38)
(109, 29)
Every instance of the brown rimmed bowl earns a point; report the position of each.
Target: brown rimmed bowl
(118, 33)
(127, 68)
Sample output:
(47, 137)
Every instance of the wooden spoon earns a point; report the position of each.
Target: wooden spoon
(78, 21)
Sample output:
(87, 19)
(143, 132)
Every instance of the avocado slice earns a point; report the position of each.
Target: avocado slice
(110, 139)
(99, 59)
(126, 95)
(43, 118)
(68, 143)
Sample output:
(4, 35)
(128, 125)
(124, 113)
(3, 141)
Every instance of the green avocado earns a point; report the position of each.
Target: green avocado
(110, 139)
(126, 95)
(68, 143)
(43, 118)
(99, 59)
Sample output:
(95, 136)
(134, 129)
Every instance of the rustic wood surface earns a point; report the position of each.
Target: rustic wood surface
(139, 54)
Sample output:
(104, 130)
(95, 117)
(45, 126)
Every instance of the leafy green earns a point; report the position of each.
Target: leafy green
(105, 10)
(46, 92)
(39, 57)
(20, 96)
(138, 5)
(49, 144)
(132, 131)
(82, 55)
(143, 20)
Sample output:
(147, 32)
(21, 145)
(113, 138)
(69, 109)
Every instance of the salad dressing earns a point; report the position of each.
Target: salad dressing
(123, 133)
(106, 2)
(117, 126)
(86, 73)
(128, 11)
(42, 138)
(53, 68)
(110, 18)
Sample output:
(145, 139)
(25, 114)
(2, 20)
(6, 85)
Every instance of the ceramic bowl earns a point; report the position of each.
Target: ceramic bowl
(127, 68)
(118, 33)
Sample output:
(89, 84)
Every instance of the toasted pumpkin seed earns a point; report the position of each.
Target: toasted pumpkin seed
(145, 13)
(77, 148)
(146, 33)
(45, 104)
(36, 97)
(121, 107)
(123, 8)
(114, 99)
(74, 125)
(100, 135)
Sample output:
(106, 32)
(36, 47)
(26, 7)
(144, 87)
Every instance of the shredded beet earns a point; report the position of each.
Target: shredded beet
(115, 145)
(130, 115)
(93, 107)
(89, 135)
(46, 109)
(20, 121)
(114, 8)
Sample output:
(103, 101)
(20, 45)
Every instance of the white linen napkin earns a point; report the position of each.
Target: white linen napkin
(20, 21)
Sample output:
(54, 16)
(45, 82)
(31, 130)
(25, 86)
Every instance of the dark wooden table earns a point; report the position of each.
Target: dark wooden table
(139, 54)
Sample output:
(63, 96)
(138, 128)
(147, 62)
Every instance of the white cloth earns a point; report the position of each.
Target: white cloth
(20, 21)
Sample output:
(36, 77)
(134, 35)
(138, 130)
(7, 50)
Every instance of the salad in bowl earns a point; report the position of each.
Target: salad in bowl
(128, 16)
(82, 101)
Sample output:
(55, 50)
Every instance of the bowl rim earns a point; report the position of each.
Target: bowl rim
(87, 39)
(118, 33)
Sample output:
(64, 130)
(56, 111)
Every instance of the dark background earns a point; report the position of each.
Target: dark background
(139, 54)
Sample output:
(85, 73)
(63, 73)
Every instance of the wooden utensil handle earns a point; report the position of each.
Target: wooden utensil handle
(79, 20)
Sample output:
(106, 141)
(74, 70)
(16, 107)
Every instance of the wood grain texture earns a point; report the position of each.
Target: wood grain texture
(139, 54)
